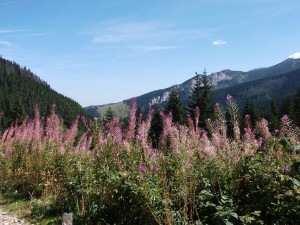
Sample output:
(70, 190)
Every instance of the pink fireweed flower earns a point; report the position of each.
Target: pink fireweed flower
(53, 129)
(168, 128)
(285, 118)
(115, 131)
(197, 115)
(142, 170)
(132, 120)
(38, 125)
(236, 131)
(190, 124)
(82, 143)
(285, 169)
(71, 133)
(262, 129)
(229, 98)
(247, 128)
(287, 129)
(151, 155)
(247, 117)
(143, 130)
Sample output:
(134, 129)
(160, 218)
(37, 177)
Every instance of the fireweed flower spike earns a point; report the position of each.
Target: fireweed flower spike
(247, 117)
(132, 120)
(229, 98)
(285, 118)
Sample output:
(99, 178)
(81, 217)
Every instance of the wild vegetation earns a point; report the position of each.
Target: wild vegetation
(112, 174)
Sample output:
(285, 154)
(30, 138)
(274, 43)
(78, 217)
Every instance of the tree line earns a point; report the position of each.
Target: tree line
(202, 99)
(21, 90)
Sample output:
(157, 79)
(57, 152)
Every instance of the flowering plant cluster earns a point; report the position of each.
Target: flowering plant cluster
(112, 174)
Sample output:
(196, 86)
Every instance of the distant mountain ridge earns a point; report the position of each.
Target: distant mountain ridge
(262, 91)
(226, 80)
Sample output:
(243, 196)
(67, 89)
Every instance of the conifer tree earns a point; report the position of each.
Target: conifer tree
(287, 108)
(175, 106)
(156, 128)
(202, 98)
(109, 115)
(249, 109)
(273, 116)
(18, 110)
(297, 108)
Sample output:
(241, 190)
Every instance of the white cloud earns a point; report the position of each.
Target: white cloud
(151, 48)
(120, 32)
(7, 31)
(36, 34)
(296, 55)
(6, 43)
(219, 42)
(117, 32)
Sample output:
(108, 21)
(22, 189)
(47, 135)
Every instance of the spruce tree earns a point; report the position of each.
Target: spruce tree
(273, 116)
(175, 106)
(297, 108)
(18, 110)
(202, 98)
(156, 128)
(109, 114)
(287, 108)
(249, 109)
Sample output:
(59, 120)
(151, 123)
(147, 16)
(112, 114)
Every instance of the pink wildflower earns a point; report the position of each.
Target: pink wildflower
(143, 130)
(115, 131)
(132, 120)
(229, 98)
(197, 114)
(285, 118)
(285, 169)
(142, 170)
(190, 124)
(262, 128)
(247, 117)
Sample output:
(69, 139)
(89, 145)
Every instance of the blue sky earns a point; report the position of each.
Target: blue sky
(104, 51)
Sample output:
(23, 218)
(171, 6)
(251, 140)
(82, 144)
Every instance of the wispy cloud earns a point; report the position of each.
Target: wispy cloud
(219, 42)
(120, 32)
(36, 34)
(25, 32)
(6, 43)
(295, 55)
(115, 32)
(7, 31)
(152, 48)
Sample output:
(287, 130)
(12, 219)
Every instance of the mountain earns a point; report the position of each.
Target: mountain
(263, 91)
(237, 83)
(20, 90)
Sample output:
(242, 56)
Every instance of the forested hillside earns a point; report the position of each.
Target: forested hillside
(262, 91)
(20, 90)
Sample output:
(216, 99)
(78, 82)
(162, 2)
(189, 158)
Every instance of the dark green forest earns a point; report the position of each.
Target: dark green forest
(21, 90)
